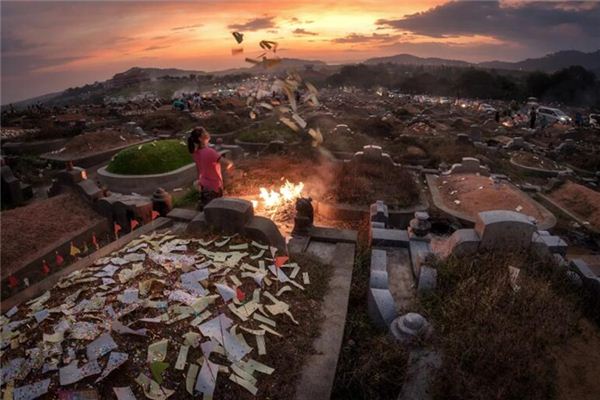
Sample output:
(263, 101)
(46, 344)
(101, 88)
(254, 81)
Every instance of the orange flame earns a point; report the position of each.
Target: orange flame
(271, 199)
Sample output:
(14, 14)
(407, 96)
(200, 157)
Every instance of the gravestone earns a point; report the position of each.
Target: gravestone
(504, 229)
(379, 213)
(228, 215)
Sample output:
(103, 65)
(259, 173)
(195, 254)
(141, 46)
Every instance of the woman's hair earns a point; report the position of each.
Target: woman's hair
(194, 138)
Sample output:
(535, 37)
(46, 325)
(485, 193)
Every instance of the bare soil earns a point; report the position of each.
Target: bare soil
(92, 142)
(479, 193)
(28, 229)
(578, 364)
(536, 161)
(581, 200)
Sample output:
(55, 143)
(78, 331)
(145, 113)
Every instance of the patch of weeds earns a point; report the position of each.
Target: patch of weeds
(371, 364)
(188, 200)
(496, 341)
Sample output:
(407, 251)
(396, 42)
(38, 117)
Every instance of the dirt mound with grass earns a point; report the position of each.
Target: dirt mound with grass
(536, 161)
(92, 142)
(28, 229)
(362, 184)
(581, 200)
(496, 338)
(151, 158)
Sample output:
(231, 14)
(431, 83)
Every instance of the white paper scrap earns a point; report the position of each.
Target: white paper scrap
(182, 357)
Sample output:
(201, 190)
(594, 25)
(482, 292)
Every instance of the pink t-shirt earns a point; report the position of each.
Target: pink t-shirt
(209, 168)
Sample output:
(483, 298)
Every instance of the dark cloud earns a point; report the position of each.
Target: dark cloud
(151, 48)
(294, 20)
(190, 27)
(255, 24)
(359, 38)
(24, 64)
(555, 25)
(12, 44)
(159, 37)
(302, 31)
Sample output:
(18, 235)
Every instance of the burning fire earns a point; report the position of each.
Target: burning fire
(271, 199)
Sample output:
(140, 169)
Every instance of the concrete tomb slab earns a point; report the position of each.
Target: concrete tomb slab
(389, 237)
(504, 229)
(382, 309)
(228, 215)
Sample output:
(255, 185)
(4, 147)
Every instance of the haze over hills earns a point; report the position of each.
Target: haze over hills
(549, 63)
(146, 78)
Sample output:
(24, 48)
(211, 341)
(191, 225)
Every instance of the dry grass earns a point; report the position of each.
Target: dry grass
(371, 364)
(495, 341)
(363, 184)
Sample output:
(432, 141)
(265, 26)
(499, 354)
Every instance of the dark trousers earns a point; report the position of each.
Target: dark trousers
(206, 196)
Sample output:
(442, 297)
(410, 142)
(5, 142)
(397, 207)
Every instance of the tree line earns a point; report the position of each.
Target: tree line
(574, 86)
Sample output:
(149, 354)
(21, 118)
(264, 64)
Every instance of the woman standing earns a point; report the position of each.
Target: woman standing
(208, 162)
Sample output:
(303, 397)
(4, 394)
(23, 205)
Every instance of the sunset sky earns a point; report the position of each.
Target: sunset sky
(49, 46)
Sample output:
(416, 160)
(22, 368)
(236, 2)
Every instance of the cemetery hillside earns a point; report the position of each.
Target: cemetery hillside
(300, 201)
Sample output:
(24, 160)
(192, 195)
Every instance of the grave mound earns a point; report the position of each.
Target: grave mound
(151, 158)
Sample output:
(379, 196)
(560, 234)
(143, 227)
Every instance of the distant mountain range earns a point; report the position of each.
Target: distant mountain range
(549, 63)
(148, 76)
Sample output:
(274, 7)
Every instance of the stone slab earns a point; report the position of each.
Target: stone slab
(318, 373)
(333, 235)
(419, 251)
(401, 279)
(381, 307)
(389, 238)
(422, 365)
(378, 260)
(379, 280)
(182, 214)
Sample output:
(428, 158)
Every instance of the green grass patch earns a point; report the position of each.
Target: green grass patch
(268, 131)
(188, 200)
(151, 158)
